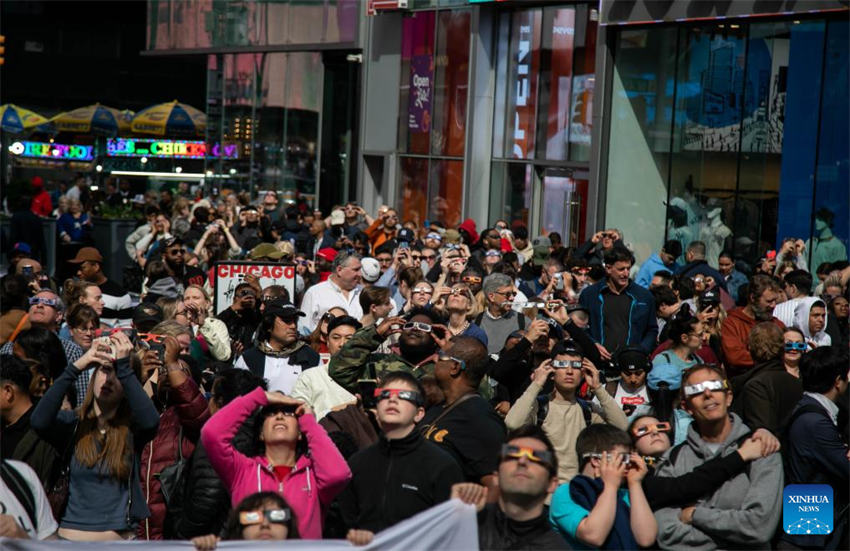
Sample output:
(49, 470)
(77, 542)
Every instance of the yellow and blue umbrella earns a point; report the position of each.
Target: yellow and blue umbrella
(172, 118)
(14, 119)
(94, 119)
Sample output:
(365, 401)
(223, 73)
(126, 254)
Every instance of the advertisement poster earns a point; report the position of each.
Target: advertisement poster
(581, 121)
(229, 274)
(421, 83)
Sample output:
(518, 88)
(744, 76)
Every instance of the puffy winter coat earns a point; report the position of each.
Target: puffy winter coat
(318, 476)
(186, 407)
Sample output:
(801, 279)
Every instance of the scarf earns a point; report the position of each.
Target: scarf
(585, 492)
(266, 349)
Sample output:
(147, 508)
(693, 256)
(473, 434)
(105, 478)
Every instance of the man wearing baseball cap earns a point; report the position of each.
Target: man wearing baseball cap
(630, 391)
(665, 259)
(116, 300)
(280, 356)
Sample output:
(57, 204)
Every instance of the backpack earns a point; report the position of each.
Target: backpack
(543, 409)
(16, 482)
(520, 321)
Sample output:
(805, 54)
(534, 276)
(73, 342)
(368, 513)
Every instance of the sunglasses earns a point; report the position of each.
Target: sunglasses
(429, 257)
(447, 358)
(246, 293)
(662, 426)
(423, 291)
(474, 280)
(287, 410)
(52, 302)
(566, 364)
(417, 326)
(792, 346)
(699, 388)
(510, 452)
(409, 395)
(275, 516)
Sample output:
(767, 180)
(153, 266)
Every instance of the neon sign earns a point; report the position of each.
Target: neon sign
(167, 149)
(57, 151)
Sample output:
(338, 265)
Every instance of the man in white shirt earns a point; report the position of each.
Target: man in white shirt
(280, 356)
(24, 510)
(342, 289)
(797, 285)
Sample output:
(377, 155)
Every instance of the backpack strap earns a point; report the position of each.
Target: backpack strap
(521, 322)
(16, 482)
(585, 410)
(255, 360)
(611, 388)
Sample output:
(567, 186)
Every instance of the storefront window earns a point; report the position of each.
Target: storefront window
(523, 77)
(452, 78)
(556, 81)
(434, 88)
(581, 106)
(510, 192)
(748, 99)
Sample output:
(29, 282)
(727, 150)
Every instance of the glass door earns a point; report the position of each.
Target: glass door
(563, 205)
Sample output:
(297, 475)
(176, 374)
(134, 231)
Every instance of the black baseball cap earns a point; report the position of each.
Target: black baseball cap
(282, 309)
(405, 235)
(709, 297)
(146, 316)
(632, 359)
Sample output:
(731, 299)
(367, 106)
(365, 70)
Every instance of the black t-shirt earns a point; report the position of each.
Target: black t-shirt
(497, 531)
(192, 275)
(12, 435)
(472, 432)
(615, 312)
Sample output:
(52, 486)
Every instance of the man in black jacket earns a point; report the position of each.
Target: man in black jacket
(402, 474)
(528, 473)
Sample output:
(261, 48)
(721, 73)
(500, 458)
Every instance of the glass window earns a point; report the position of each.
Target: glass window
(555, 81)
(564, 199)
(446, 196)
(452, 83)
(641, 117)
(414, 189)
(831, 225)
(417, 82)
(523, 77)
(581, 106)
(510, 192)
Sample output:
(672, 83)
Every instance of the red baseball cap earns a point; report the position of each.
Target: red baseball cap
(327, 253)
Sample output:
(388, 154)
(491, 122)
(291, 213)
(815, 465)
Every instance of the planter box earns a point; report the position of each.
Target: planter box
(109, 236)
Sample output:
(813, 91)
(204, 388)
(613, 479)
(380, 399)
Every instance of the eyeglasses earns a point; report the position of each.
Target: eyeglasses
(472, 280)
(246, 293)
(417, 326)
(462, 292)
(385, 260)
(507, 294)
(275, 516)
(510, 452)
(85, 330)
(416, 257)
(409, 395)
(798, 346)
(287, 410)
(713, 385)
(429, 257)
(52, 302)
(447, 358)
(176, 252)
(662, 426)
(566, 364)
(423, 291)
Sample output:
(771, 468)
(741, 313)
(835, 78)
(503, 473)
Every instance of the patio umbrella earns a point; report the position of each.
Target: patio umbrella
(172, 118)
(95, 119)
(14, 119)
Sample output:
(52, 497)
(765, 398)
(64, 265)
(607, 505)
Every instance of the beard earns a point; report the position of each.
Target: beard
(415, 353)
(762, 314)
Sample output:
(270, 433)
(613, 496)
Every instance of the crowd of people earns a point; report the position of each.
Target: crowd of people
(576, 399)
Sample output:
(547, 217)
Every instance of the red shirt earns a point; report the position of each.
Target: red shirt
(281, 472)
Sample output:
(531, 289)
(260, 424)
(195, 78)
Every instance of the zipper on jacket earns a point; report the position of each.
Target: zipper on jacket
(148, 491)
(387, 483)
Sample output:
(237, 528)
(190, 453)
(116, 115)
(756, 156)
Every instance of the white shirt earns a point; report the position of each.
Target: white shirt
(280, 374)
(9, 504)
(316, 387)
(321, 297)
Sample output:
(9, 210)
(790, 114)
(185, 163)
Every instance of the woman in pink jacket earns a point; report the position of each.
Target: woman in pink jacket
(299, 461)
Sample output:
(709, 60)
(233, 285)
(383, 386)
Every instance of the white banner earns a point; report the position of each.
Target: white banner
(450, 525)
(229, 274)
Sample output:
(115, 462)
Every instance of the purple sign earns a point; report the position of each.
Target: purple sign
(421, 84)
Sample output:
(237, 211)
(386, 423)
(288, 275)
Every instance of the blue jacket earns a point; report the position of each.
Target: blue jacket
(653, 264)
(736, 279)
(643, 328)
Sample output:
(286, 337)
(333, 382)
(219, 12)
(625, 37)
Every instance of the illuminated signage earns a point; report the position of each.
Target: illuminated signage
(167, 149)
(57, 151)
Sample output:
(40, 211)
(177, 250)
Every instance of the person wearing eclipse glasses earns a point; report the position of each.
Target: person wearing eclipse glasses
(403, 473)
(527, 476)
(742, 512)
(296, 460)
(264, 516)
